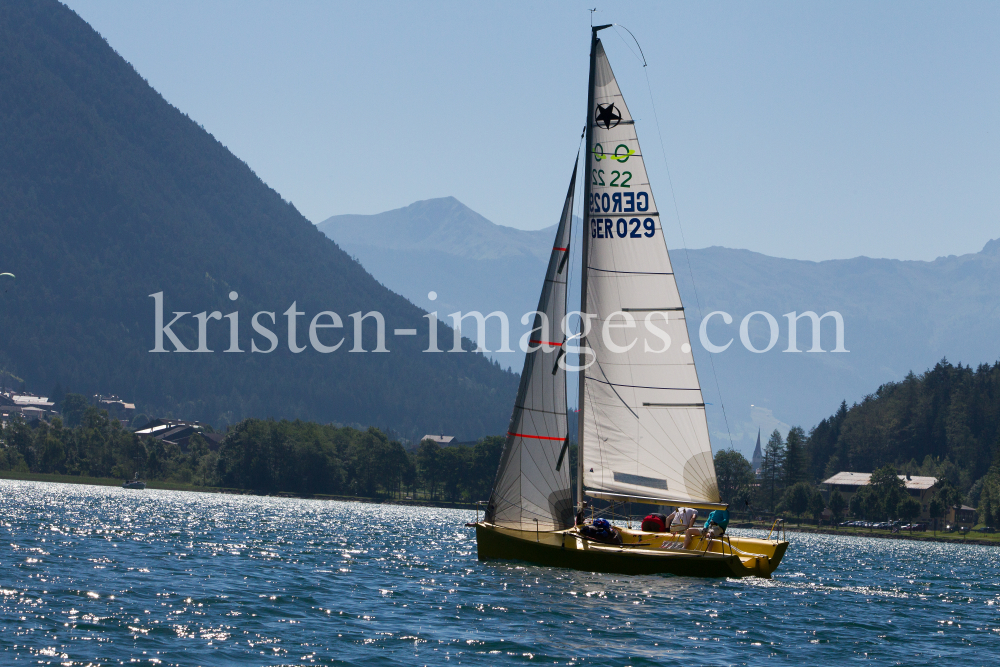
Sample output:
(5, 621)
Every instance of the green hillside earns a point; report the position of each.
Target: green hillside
(944, 423)
(108, 194)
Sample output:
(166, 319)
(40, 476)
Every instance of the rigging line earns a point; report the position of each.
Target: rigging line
(619, 25)
(677, 213)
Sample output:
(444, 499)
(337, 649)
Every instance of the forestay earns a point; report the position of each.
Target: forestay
(645, 430)
(532, 487)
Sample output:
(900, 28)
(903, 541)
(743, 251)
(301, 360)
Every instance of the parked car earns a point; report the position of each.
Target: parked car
(986, 529)
(914, 526)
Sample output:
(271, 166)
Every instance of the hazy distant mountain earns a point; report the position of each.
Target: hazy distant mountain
(108, 194)
(898, 315)
(441, 245)
(444, 225)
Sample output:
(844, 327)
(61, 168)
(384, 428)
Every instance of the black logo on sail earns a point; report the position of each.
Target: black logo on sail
(607, 115)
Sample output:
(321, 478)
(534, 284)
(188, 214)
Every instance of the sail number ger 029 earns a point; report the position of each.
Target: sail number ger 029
(609, 228)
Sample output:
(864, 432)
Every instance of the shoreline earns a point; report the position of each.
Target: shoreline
(55, 478)
(926, 536)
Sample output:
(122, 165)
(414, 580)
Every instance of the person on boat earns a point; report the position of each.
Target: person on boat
(682, 519)
(715, 526)
(601, 530)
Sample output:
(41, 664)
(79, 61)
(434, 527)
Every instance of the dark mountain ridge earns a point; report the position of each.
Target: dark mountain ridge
(108, 194)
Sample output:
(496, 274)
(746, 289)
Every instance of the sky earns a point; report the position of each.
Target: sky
(814, 131)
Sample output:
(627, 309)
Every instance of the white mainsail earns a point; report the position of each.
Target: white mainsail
(645, 432)
(532, 488)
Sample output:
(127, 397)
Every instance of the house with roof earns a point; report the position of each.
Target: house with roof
(960, 516)
(441, 440)
(920, 488)
(116, 407)
(26, 404)
(178, 432)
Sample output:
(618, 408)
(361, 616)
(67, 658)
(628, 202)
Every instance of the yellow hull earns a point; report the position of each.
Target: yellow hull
(640, 553)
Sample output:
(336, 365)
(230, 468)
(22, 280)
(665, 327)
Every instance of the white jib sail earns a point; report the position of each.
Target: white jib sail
(532, 488)
(645, 429)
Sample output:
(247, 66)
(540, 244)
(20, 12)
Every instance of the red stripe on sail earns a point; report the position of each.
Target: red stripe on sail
(536, 437)
(545, 342)
(563, 249)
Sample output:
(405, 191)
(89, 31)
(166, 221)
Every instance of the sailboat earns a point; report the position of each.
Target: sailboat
(643, 432)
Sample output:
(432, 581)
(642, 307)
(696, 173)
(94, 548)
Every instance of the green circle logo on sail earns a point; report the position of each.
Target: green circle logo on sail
(622, 153)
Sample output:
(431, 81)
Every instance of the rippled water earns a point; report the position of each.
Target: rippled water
(93, 575)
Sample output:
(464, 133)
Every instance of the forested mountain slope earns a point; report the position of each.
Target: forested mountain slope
(944, 422)
(108, 194)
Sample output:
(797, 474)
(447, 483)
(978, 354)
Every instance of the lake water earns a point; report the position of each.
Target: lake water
(94, 575)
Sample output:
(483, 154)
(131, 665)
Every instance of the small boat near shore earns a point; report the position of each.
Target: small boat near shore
(643, 431)
(134, 483)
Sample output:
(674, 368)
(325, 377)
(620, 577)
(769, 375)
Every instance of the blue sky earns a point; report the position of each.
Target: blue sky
(807, 130)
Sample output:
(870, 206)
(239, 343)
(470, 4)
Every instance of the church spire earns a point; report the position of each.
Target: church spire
(758, 456)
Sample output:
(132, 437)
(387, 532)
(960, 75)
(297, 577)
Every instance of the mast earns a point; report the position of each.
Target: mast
(584, 254)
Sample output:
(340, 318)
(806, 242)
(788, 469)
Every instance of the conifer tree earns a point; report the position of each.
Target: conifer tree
(795, 467)
(772, 469)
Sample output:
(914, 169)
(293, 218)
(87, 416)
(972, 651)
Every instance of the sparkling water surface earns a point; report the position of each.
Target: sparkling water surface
(96, 575)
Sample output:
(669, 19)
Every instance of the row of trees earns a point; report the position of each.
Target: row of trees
(97, 447)
(944, 423)
(783, 468)
(261, 455)
(777, 489)
(309, 458)
(780, 488)
(941, 419)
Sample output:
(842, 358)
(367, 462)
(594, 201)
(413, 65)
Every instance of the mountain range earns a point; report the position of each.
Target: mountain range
(442, 246)
(898, 315)
(114, 206)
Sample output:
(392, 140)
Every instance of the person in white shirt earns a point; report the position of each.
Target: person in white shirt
(679, 522)
(682, 519)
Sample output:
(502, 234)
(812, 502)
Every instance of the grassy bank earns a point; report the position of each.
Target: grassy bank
(180, 486)
(988, 539)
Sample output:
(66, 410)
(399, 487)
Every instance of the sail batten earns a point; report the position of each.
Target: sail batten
(643, 424)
